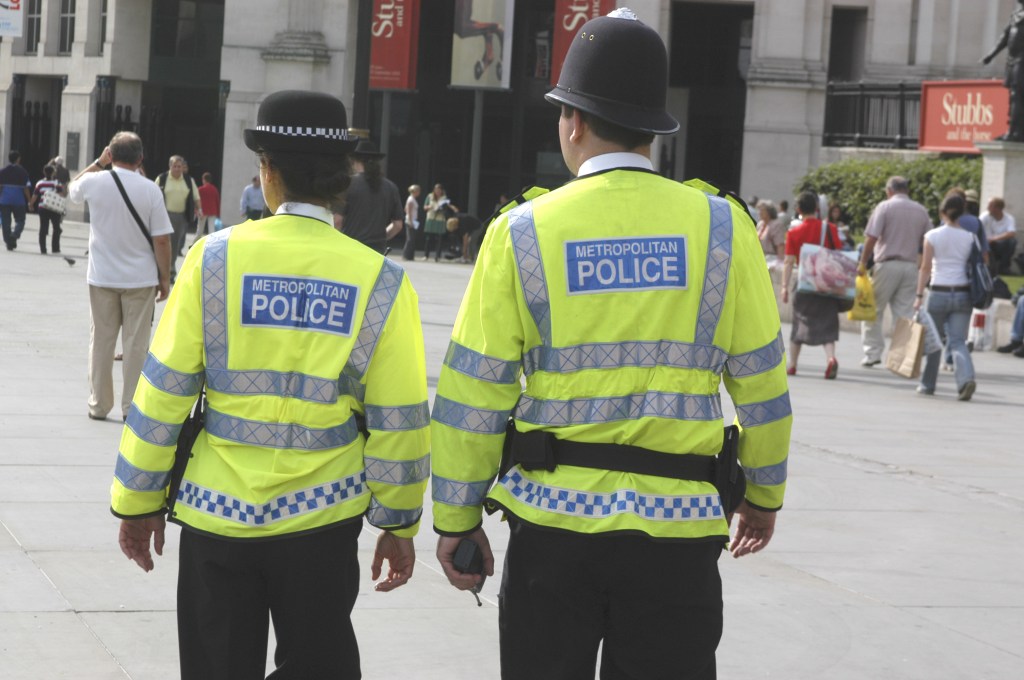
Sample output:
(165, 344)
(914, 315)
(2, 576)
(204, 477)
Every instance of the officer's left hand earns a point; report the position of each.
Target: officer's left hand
(134, 539)
(401, 557)
(753, 531)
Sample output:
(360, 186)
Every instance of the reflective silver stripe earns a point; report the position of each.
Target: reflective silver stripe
(452, 492)
(758, 361)
(215, 316)
(152, 431)
(478, 420)
(168, 380)
(378, 306)
(716, 273)
(397, 418)
(382, 516)
(137, 479)
(280, 435)
(350, 386)
(769, 475)
(283, 507)
(274, 383)
(631, 353)
(623, 501)
(629, 407)
(397, 471)
(531, 268)
(480, 366)
(752, 415)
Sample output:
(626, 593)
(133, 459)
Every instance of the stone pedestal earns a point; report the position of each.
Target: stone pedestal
(1003, 175)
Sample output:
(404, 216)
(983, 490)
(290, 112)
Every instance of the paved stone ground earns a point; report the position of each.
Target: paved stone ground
(898, 555)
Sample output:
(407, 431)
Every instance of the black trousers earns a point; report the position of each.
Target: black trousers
(655, 605)
(46, 218)
(307, 583)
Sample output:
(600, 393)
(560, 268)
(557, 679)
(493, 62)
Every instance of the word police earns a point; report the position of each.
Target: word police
(299, 303)
(648, 263)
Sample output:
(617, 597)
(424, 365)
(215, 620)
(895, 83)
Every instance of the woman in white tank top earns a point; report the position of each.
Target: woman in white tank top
(944, 262)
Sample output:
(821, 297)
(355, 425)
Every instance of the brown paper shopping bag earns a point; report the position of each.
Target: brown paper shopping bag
(906, 349)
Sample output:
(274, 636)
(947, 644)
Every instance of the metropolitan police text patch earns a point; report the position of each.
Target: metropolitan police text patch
(624, 264)
(298, 302)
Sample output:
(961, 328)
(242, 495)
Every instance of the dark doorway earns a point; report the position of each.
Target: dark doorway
(848, 41)
(182, 103)
(709, 57)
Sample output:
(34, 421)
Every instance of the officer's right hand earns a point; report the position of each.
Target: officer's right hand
(446, 546)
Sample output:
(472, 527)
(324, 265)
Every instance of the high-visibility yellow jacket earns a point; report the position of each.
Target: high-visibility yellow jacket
(624, 299)
(296, 329)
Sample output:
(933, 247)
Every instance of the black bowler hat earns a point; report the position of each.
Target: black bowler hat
(303, 122)
(617, 69)
(367, 149)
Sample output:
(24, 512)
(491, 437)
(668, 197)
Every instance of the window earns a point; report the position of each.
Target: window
(67, 26)
(103, 26)
(33, 24)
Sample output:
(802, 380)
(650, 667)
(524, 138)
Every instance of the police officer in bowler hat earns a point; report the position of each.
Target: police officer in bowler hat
(625, 299)
(311, 351)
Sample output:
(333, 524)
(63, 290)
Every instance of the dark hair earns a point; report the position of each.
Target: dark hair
(807, 202)
(372, 173)
(126, 147)
(610, 132)
(784, 204)
(310, 178)
(953, 207)
(207, 177)
(48, 171)
(13, 156)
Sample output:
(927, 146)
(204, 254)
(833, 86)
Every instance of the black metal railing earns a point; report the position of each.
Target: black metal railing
(878, 115)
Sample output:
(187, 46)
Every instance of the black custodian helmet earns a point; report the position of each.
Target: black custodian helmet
(617, 69)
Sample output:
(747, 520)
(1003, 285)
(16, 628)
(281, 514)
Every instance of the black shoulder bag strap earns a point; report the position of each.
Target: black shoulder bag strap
(131, 209)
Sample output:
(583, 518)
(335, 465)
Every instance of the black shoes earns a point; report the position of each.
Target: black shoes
(1012, 347)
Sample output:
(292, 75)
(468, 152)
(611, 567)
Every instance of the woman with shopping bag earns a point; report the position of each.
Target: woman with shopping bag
(815, 316)
(947, 250)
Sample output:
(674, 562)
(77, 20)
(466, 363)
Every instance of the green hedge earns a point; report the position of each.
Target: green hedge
(858, 185)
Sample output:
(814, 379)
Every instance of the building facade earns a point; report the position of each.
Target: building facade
(748, 82)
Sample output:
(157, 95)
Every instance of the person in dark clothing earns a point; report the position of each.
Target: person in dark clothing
(372, 213)
(48, 217)
(462, 226)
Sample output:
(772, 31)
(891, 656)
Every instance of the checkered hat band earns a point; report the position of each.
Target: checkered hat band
(293, 131)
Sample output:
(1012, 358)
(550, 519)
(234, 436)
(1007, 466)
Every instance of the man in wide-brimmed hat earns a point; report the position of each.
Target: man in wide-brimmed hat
(372, 212)
(623, 298)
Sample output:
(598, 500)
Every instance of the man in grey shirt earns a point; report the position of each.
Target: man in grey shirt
(894, 234)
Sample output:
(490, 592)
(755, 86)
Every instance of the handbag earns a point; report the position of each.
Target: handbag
(979, 278)
(864, 303)
(827, 271)
(53, 202)
(932, 338)
(906, 349)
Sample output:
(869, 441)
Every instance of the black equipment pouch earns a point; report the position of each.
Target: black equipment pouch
(190, 430)
(729, 478)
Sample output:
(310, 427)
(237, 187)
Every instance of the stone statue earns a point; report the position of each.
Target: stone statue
(1013, 42)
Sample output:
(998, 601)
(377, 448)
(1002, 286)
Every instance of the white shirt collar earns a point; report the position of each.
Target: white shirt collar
(618, 159)
(306, 210)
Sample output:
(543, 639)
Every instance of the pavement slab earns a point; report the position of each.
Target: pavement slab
(898, 554)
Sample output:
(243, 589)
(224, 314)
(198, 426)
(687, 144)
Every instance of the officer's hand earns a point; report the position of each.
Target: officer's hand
(446, 546)
(401, 557)
(753, 531)
(134, 539)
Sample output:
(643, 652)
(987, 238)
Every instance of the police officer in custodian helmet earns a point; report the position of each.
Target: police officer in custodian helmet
(310, 347)
(624, 298)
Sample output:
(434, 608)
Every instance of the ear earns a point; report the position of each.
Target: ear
(579, 127)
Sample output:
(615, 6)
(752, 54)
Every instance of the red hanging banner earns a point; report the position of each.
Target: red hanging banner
(394, 44)
(570, 15)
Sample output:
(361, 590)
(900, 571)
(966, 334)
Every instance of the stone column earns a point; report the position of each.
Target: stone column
(1003, 175)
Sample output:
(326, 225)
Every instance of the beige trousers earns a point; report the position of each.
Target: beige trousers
(895, 284)
(130, 312)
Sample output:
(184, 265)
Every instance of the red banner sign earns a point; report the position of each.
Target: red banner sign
(570, 15)
(394, 44)
(955, 114)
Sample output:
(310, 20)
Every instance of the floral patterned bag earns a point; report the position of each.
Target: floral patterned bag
(827, 271)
